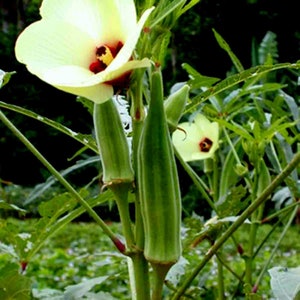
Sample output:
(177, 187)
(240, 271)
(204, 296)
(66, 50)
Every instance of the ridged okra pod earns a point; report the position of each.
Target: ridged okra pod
(158, 184)
(112, 144)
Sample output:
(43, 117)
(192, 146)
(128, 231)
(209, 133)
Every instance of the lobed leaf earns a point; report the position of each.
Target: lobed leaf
(285, 282)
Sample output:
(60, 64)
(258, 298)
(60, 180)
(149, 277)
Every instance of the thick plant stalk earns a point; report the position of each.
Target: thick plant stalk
(140, 264)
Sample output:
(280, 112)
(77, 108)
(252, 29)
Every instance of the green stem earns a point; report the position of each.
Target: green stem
(249, 254)
(141, 276)
(216, 179)
(221, 294)
(255, 219)
(140, 264)
(159, 274)
(287, 226)
(283, 210)
(221, 260)
(58, 176)
(201, 186)
(247, 212)
(120, 191)
(139, 227)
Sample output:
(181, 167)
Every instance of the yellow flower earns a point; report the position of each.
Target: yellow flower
(196, 140)
(83, 47)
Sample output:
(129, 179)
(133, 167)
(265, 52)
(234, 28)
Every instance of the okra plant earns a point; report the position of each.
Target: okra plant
(225, 135)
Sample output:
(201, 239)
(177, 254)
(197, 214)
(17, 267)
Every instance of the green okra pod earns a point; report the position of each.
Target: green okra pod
(158, 184)
(112, 144)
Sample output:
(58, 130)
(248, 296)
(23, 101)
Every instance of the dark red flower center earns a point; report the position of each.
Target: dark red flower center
(104, 56)
(205, 144)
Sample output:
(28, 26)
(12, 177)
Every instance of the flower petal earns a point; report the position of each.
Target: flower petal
(81, 77)
(108, 75)
(187, 144)
(186, 140)
(49, 44)
(97, 93)
(201, 155)
(107, 21)
(208, 129)
(75, 80)
(202, 122)
(60, 48)
(127, 49)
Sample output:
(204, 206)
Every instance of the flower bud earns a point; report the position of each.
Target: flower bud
(174, 106)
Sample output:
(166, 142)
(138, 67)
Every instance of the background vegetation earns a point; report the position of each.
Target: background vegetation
(80, 251)
(242, 23)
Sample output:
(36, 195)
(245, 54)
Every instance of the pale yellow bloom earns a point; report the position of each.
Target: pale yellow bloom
(196, 140)
(83, 47)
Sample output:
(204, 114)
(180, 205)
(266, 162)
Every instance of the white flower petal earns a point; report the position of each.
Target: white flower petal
(97, 93)
(60, 48)
(192, 131)
(201, 121)
(213, 131)
(207, 128)
(49, 44)
(201, 155)
(71, 76)
(107, 21)
(126, 52)
(108, 75)
(187, 144)
(74, 80)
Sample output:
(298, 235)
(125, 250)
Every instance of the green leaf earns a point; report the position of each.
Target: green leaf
(268, 48)
(285, 282)
(13, 285)
(74, 292)
(232, 170)
(47, 294)
(41, 188)
(48, 226)
(5, 77)
(100, 296)
(187, 7)
(177, 271)
(235, 79)
(8, 249)
(166, 11)
(293, 106)
(8, 206)
(160, 47)
(196, 79)
(88, 104)
(85, 139)
(236, 128)
(57, 205)
(223, 44)
(232, 203)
